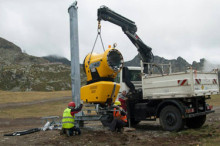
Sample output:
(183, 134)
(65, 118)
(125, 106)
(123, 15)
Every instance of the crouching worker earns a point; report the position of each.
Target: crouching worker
(120, 118)
(68, 120)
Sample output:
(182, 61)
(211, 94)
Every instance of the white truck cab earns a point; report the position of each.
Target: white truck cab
(135, 78)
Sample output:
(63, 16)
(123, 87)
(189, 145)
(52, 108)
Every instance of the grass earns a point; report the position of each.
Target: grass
(204, 131)
(212, 142)
(46, 109)
(14, 97)
(38, 110)
(207, 135)
(215, 100)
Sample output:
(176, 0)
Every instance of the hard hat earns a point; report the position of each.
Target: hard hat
(72, 104)
(118, 103)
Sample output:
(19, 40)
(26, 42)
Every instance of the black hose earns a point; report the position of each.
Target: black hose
(19, 133)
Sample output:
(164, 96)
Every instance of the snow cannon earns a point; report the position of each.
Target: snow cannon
(101, 70)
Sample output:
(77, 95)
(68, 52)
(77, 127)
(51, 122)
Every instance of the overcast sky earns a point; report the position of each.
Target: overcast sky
(187, 28)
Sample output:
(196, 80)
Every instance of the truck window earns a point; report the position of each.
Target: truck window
(135, 75)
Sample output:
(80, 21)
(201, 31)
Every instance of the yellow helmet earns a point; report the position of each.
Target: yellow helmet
(118, 103)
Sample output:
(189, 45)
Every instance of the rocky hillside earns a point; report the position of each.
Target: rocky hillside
(22, 72)
(57, 59)
(12, 54)
(178, 64)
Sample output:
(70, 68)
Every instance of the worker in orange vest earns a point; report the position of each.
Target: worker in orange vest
(120, 118)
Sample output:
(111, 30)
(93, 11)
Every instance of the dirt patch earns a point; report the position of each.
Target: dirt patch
(146, 133)
(95, 134)
(20, 122)
(98, 137)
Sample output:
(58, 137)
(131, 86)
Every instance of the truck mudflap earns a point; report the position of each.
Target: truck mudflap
(199, 114)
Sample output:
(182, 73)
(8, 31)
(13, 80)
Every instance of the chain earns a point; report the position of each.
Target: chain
(98, 34)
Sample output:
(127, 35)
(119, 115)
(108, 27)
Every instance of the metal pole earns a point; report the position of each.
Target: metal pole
(128, 113)
(74, 46)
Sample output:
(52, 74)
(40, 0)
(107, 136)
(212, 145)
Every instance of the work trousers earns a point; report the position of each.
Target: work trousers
(117, 125)
(71, 131)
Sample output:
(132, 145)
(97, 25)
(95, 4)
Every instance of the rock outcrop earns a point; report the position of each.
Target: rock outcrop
(22, 72)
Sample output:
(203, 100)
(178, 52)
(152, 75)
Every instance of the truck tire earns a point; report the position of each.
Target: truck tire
(196, 122)
(171, 119)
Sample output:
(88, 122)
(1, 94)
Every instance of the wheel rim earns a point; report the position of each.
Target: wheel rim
(170, 119)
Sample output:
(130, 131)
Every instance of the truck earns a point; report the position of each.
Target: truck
(177, 99)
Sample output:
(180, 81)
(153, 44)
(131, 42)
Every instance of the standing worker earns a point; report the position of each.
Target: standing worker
(122, 98)
(69, 119)
(120, 118)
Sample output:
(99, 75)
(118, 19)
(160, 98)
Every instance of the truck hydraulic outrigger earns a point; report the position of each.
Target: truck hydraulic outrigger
(130, 29)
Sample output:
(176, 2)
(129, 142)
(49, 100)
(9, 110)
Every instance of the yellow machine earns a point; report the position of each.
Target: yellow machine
(101, 69)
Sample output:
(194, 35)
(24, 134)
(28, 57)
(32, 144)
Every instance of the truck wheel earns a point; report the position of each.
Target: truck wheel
(196, 122)
(170, 119)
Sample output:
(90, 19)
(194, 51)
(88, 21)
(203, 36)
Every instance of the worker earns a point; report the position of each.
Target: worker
(69, 119)
(120, 118)
(122, 98)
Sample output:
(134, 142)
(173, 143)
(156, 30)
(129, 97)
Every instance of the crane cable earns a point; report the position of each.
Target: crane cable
(98, 35)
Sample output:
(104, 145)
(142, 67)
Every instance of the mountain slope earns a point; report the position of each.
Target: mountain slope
(22, 72)
(57, 59)
(178, 65)
(12, 54)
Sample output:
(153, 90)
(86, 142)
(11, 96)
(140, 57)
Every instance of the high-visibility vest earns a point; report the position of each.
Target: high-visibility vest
(118, 115)
(68, 119)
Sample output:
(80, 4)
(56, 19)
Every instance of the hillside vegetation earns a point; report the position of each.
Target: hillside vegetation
(22, 72)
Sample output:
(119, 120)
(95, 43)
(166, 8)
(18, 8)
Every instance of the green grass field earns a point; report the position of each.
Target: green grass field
(35, 110)
(38, 110)
(14, 97)
(215, 100)
(45, 109)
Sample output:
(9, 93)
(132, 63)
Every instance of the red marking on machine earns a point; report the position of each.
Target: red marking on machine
(197, 81)
(214, 81)
(183, 82)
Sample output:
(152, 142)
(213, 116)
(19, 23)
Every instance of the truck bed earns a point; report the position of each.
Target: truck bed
(180, 85)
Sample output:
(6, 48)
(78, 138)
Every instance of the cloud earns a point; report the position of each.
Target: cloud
(172, 28)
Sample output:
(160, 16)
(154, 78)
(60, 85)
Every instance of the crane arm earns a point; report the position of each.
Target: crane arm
(130, 29)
